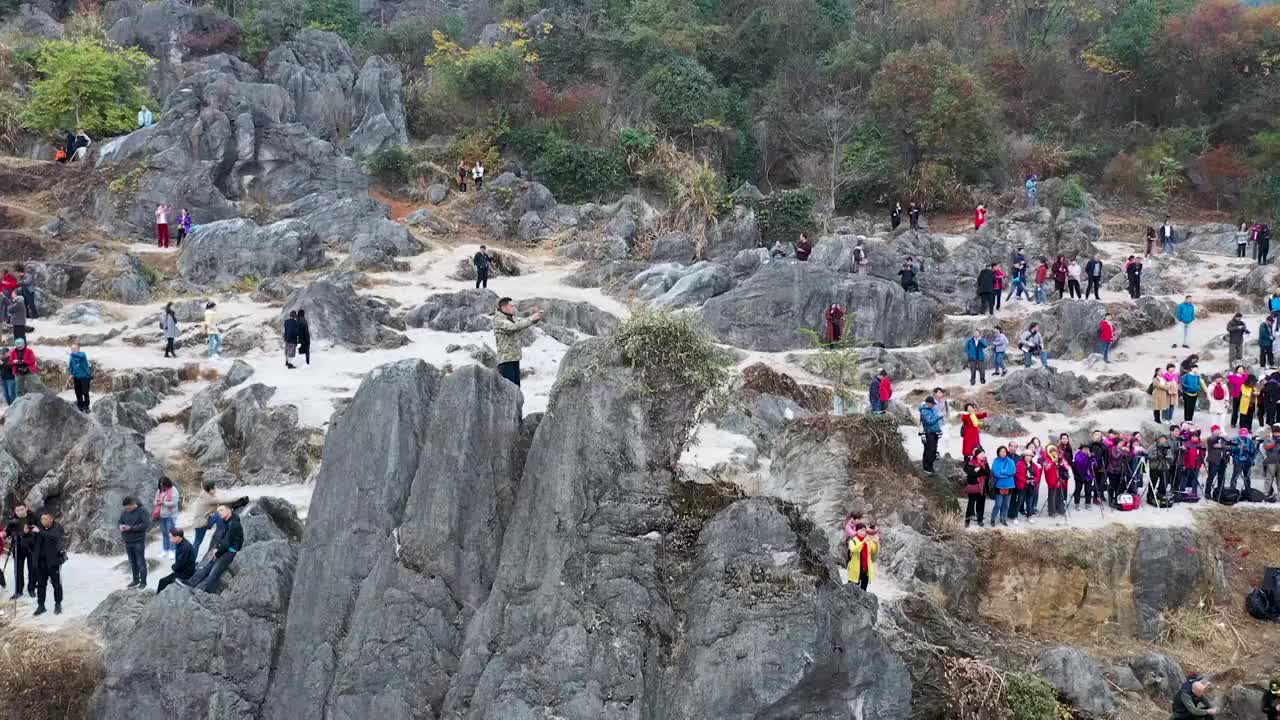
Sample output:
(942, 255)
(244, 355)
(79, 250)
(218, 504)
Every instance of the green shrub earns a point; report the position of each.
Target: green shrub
(1030, 698)
(869, 164)
(672, 352)
(86, 84)
(339, 16)
(391, 165)
(486, 73)
(1262, 195)
(637, 144)
(407, 42)
(684, 94)
(577, 172)
(784, 214)
(529, 140)
(1072, 194)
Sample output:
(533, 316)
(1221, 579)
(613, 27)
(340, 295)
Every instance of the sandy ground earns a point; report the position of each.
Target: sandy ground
(335, 373)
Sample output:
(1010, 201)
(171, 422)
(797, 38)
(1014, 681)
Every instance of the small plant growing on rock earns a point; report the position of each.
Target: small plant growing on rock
(1029, 697)
(838, 362)
(785, 214)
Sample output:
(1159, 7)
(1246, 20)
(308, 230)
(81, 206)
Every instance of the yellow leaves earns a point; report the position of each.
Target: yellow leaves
(445, 49)
(449, 52)
(1098, 62)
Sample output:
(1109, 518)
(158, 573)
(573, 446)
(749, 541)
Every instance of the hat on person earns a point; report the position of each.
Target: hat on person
(1216, 428)
(1244, 431)
(930, 399)
(20, 342)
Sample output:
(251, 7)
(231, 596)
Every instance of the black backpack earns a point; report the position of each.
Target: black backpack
(1254, 495)
(1261, 604)
(1228, 496)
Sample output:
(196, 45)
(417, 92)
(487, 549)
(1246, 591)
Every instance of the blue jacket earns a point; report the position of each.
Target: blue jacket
(1003, 470)
(1192, 384)
(80, 369)
(1186, 313)
(1274, 305)
(976, 349)
(930, 418)
(1246, 450)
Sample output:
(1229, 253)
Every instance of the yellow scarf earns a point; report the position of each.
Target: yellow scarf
(973, 418)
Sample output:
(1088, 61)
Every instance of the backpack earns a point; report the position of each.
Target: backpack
(1254, 495)
(1219, 392)
(1261, 604)
(1129, 501)
(1228, 496)
(1190, 495)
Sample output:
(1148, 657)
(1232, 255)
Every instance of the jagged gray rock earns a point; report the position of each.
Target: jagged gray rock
(335, 312)
(1158, 674)
(1041, 390)
(171, 32)
(1165, 575)
(942, 569)
(340, 219)
(469, 310)
(31, 20)
(114, 410)
(697, 284)
(38, 432)
(124, 281)
(223, 252)
(1079, 678)
(767, 311)
(577, 315)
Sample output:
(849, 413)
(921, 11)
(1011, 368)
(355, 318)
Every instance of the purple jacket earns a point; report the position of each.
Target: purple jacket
(1084, 467)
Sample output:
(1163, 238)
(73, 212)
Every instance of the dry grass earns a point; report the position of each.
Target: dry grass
(193, 373)
(975, 687)
(47, 676)
(1207, 635)
(946, 523)
(763, 379)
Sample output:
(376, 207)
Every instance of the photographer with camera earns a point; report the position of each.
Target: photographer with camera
(23, 360)
(21, 549)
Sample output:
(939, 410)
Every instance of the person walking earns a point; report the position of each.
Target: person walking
(1000, 348)
(971, 428)
(1186, 315)
(977, 477)
(212, 329)
(895, 215)
(169, 326)
(232, 540)
(50, 554)
(975, 349)
(290, 339)
(863, 550)
(931, 424)
(304, 336)
(1018, 282)
(1106, 337)
(1073, 279)
(979, 217)
(987, 289)
(1166, 236)
(483, 262)
(1002, 472)
(1236, 330)
(162, 225)
(166, 506)
(1061, 271)
(1093, 272)
(507, 335)
(81, 375)
(1266, 344)
(19, 530)
(1032, 346)
(913, 214)
(1133, 271)
(133, 530)
(184, 561)
(1192, 386)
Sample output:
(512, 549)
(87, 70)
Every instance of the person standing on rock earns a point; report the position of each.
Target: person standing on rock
(507, 333)
(7, 378)
(1032, 190)
(1000, 348)
(1086, 475)
(184, 561)
(22, 543)
(1264, 244)
(1000, 283)
(886, 390)
(1106, 337)
(931, 424)
(1244, 455)
(133, 530)
(1192, 386)
(477, 175)
(169, 325)
(1073, 279)
(1166, 236)
(1242, 241)
(1032, 347)
(1248, 402)
(895, 215)
(944, 413)
(17, 317)
(290, 339)
(212, 329)
(304, 336)
(863, 549)
(913, 214)
(835, 323)
(1056, 476)
(82, 143)
(166, 507)
(232, 540)
(25, 367)
(50, 554)
(971, 428)
(162, 225)
(1061, 271)
(1042, 282)
(977, 476)
(907, 277)
(1003, 471)
(1018, 285)
(1266, 344)
(184, 226)
(1093, 273)
(979, 217)
(81, 376)
(1219, 400)
(1271, 464)
(1186, 315)
(1217, 455)
(463, 174)
(1236, 330)
(1133, 271)
(987, 289)
(804, 248)
(484, 263)
(975, 349)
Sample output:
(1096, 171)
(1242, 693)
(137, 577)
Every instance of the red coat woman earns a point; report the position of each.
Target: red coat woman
(979, 217)
(970, 429)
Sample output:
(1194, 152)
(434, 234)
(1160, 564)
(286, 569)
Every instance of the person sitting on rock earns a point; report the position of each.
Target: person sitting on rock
(184, 561)
(1032, 347)
(232, 540)
(803, 248)
(1191, 702)
(507, 332)
(778, 251)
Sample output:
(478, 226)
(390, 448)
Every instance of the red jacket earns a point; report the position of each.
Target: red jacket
(8, 283)
(1108, 331)
(1020, 476)
(979, 218)
(1191, 458)
(886, 389)
(1042, 274)
(1051, 477)
(27, 356)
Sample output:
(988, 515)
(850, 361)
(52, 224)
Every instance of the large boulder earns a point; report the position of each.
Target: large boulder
(699, 283)
(377, 108)
(31, 20)
(1043, 390)
(1216, 238)
(579, 315)
(337, 314)
(1079, 679)
(469, 310)
(225, 251)
(733, 234)
(935, 568)
(342, 219)
(768, 310)
(1160, 675)
(1166, 573)
(125, 281)
(90, 482)
(172, 32)
(39, 430)
(115, 410)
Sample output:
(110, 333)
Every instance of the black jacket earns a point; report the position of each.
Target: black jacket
(986, 281)
(482, 262)
(6, 368)
(1093, 269)
(184, 560)
(291, 331)
(21, 542)
(1270, 704)
(49, 551)
(304, 336)
(1187, 705)
(138, 521)
(1134, 271)
(232, 537)
(1236, 329)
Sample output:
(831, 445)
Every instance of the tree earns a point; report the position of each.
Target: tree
(1221, 172)
(85, 84)
(838, 362)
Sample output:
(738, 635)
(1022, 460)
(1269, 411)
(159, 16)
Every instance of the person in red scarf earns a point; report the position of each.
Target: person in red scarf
(864, 546)
(979, 217)
(835, 323)
(970, 432)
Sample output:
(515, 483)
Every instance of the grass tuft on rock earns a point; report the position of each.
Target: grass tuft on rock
(49, 676)
(673, 352)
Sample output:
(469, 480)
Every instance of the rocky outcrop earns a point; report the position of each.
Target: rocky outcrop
(337, 314)
(935, 568)
(767, 311)
(225, 251)
(1167, 573)
(576, 315)
(468, 310)
(344, 220)
(694, 285)
(1079, 678)
(1158, 674)
(1042, 390)
(125, 281)
(115, 410)
(38, 432)
(171, 32)
(90, 482)
(222, 645)
(268, 443)
(31, 20)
